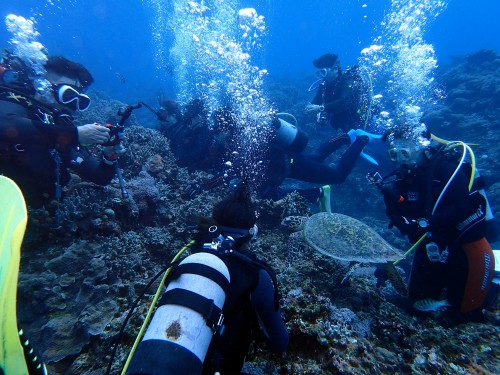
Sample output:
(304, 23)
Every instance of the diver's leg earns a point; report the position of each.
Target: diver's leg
(427, 279)
(329, 147)
(304, 168)
(350, 156)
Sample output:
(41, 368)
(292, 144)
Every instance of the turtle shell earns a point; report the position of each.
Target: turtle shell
(345, 238)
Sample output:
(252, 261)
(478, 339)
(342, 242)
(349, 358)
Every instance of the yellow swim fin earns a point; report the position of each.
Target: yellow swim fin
(13, 219)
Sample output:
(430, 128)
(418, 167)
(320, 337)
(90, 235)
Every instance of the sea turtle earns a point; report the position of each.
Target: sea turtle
(341, 237)
(346, 239)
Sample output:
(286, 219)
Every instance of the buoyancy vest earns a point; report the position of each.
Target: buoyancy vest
(36, 110)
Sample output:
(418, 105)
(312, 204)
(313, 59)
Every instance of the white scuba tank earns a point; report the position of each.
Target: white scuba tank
(289, 137)
(178, 337)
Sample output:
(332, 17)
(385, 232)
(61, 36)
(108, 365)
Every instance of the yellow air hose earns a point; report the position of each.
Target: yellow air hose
(410, 250)
(151, 308)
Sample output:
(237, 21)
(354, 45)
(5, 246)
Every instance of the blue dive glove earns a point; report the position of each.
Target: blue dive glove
(354, 133)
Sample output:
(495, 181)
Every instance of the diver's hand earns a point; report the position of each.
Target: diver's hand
(354, 133)
(110, 154)
(406, 226)
(313, 108)
(92, 133)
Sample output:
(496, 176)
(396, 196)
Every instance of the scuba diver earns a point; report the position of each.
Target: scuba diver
(215, 300)
(39, 140)
(435, 200)
(340, 96)
(286, 159)
(168, 114)
(189, 133)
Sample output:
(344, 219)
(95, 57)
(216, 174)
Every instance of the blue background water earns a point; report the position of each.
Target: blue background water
(113, 38)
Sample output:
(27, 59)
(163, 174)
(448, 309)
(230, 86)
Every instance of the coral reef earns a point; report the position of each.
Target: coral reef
(81, 273)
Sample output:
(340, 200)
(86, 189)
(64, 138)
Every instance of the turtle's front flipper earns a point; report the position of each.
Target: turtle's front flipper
(352, 268)
(394, 276)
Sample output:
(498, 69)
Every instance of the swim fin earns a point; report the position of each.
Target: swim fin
(13, 219)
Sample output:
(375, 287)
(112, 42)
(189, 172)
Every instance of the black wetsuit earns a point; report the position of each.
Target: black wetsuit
(252, 300)
(458, 225)
(344, 100)
(191, 147)
(310, 167)
(36, 142)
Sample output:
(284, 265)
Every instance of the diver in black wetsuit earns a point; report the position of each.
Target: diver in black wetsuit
(251, 300)
(342, 97)
(39, 142)
(430, 194)
(285, 159)
(254, 297)
(189, 134)
(285, 163)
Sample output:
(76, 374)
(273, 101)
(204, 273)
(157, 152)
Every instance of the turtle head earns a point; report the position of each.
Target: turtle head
(294, 223)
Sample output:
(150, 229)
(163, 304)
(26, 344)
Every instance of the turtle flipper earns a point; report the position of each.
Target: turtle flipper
(395, 278)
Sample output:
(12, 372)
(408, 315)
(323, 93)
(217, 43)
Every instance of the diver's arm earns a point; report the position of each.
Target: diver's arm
(270, 319)
(393, 199)
(16, 127)
(318, 97)
(92, 170)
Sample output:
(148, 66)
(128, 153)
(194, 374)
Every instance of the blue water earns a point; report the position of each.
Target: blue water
(113, 38)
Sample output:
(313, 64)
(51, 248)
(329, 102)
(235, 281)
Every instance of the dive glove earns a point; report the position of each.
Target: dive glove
(110, 154)
(355, 133)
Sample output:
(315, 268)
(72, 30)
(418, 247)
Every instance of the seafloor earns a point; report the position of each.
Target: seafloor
(77, 283)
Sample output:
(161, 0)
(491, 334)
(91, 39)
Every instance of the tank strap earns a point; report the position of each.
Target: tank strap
(205, 307)
(202, 270)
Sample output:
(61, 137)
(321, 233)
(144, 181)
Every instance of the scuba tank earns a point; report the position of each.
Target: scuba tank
(289, 137)
(182, 328)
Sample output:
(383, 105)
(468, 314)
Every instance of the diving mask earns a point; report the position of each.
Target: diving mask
(240, 232)
(321, 73)
(71, 97)
(400, 155)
